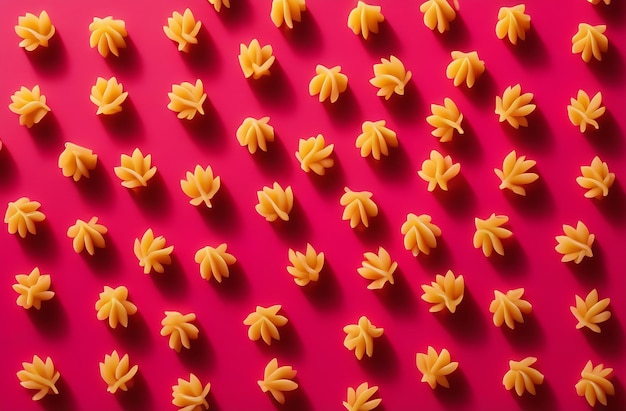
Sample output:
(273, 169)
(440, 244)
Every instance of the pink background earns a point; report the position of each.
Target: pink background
(66, 328)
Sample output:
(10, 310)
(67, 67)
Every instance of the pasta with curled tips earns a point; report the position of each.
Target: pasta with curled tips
(76, 161)
(513, 106)
(39, 375)
(513, 23)
(576, 244)
(446, 120)
(22, 216)
(190, 395)
(358, 207)
(201, 186)
(183, 29)
(287, 12)
(108, 35)
(438, 14)
(490, 233)
(514, 174)
(186, 99)
(217, 4)
(87, 235)
(583, 111)
(390, 77)
(590, 41)
(32, 289)
(328, 83)
(117, 372)
(255, 133)
(378, 268)
(445, 292)
(30, 105)
(465, 68)
(263, 323)
(305, 267)
(509, 308)
(152, 253)
(595, 384)
(435, 367)
(360, 337)
(113, 305)
(360, 399)
(214, 262)
(179, 328)
(376, 139)
(275, 203)
(108, 95)
(278, 380)
(522, 376)
(596, 178)
(35, 31)
(594, 2)
(420, 234)
(314, 155)
(256, 61)
(591, 311)
(364, 19)
(135, 170)
(438, 170)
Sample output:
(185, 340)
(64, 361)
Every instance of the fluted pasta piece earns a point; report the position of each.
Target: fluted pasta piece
(438, 171)
(305, 267)
(594, 2)
(361, 398)
(287, 11)
(214, 262)
(278, 380)
(30, 105)
(522, 376)
(364, 19)
(183, 29)
(435, 367)
(513, 22)
(190, 395)
(108, 95)
(576, 243)
(35, 31)
(255, 133)
(201, 186)
(420, 234)
(217, 4)
(358, 207)
(390, 77)
(152, 253)
(379, 268)
(590, 41)
(360, 337)
(509, 308)
(438, 14)
(314, 155)
(187, 99)
(108, 35)
(87, 235)
(465, 68)
(135, 170)
(32, 289)
(583, 111)
(180, 329)
(490, 233)
(117, 372)
(256, 61)
(39, 376)
(22, 215)
(113, 305)
(263, 323)
(445, 119)
(76, 161)
(275, 203)
(591, 311)
(376, 139)
(513, 106)
(328, 83)
(595, 383)
(445, 292)
(514, 174)
(596, 178)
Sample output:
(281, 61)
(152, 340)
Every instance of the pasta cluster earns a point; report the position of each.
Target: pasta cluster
(376, 139)
(378, 268)
(217, 4)
(513, 23)
(438, 170)
(361, 398)
(490, 233)
(420, 234)
(509, 308)
(358, 207)
(364, 19)
(576, 243)
(445, 119)
(465, 68)
(264, 322)
(595, 383)
(275, 203)
(22, 215)
(255, 133)
(305, 267)
(32, 289)
(108, 96)
(30, 105)
(514, 174)
(328, 83)
(435, 367)
(256, 61)
(591, 311)
(590, 41)
(438, 14)
(596, 178)
(186, 99)
(445, 292)
(35, 31)
(180, 329)
(114, 306)
(87, 235)
(152, 253)
(360, 337)
(201, 186)
(135, 170)
(108, 35)
(183, 29)
(583, 111)
(513, 106)
(390, 77)
(278, 380)
(314, 155)
(287, 11)
(39, 376)
(190, 394)
(117, 372)
(76, 161)
(522, 376)
(214, 262)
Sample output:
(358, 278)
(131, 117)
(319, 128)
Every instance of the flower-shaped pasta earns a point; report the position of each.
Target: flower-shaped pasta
(314, 155)
(108, 34)
(39, 376)
(590, 41)
(328, 83)
(136, 170)
(87, 235)
(378, 268)
(465, 67)
(256, 61)
(201, 186)
(214, 262)
(435, 367)
(76, 161)
(117, 372)
(35, 31)
(152, 253)
(275, 202)
(596, 178)
(187, 99)
(509, 308)
(287, 11)
(595, 383)
(305, 267)
(360, 337)
(114, 306)
(514, 174)
(420, 234)
(21, 216)
(513, 22)
(445, 292)
(278, 380)
(594, 2)
(190, 395)
(522, 376)
(32, 288)
(255, 133)
(490, 233)
(364, 19)
(264, 322)
(513, 106)
(360, 399)
(591, 311)
(445, 119)
(438, 14)
(182, 29)
(576, 243)
(358, 207)
(376, 139)
(217, 4)
(108, 95)
(582, 111)
(30, 105)
(390, 77)
(180, 329)
(438, 170)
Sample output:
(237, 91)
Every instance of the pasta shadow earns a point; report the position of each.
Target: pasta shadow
(531, 52)
(297, 228)
(305, 37)
(275, 161)
(408, 108)
(128, 63)
(618, 401)
(607, 139)
(610, 342)
(384, 363)
(204, 56)
(513, 262)
(609, 71)
(331, 183)
(207, 131)
(458, 37)
(538, 201)
(536, 138)
(124, 125)
(138, 396)
(274, 90)
(591, 271)
(378, 231)
(136, 337)
(397, 297)
(384, 42)
(51, 60)
(237, 15)
(200, 357)
(289, 346)
(297, 400)
(325, 294)
(459, 392)
(440, 258)
(172, 282)
(223, 215)
(543, 400)
(613, 206)
(47, 134)
(97, 189)
(236, 286)
(65, 400)
(41, 246)
(468, 321)
(345, 112)
(466, 147)
(484, 90)
(459, 201)
(528, 335)
(51, 320)
(105, 261)
(154, 199)
(614, 13)
(396, 167)
(9, 171)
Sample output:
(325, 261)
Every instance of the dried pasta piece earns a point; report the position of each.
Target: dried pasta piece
(465, 68)
(438, 171)
(217, 4)
(35, 31)
(30, 105)
(152, 253)
(390, 77)
(305, 267)
(376, 139)
(264, 322)
(275, 202)
(287, 11)
(591, 311)
(595, 383)
(513, 22)
(361, 398)
(328, 83)
(201, 186)
(256, 61)
(314, 155)
(364, 19)
(39, 376)
(378, 268)
(183, 29)
(514, 174)
(445, 119)
(420, 234)
(87, 235)
(32, 289)
(358, 207)
(435, 367)
(114, 306)
(76, 161)
(136, 170)
(438, 14)
(576, 243)
(582, 110)
(513, 106)
(108, 96)
(594, 2)
(214, 262)
(180, 329)
(445, 292)
(522, 376)
(117, 372)
(255, 133)
(590, 41)
(108, 35)
(187, 99)
(360, 337)
(22, 215)
(509, 308)
(490, 233)
(596, 178)
(190, 395)
(278, 380)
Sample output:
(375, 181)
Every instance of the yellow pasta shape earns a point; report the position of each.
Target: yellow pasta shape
(217, 4)
(438, 14)
(438, 171)
(522, 376)
(287, 11)
(87, 235)
(152, 253)
(328, 83)
(591, 311)
(390, 77)
(201, 186)
(594, 2)
(509, 308)
(361, 398)
(32, 289)
(264, 322)
(30, 105)
(187, 99)
(376, 139)
(435, 367)
(490, 233)
(183, 29)
(314, 155)
(513, 106)
(358, 207)
(379, 268)
(278, 380)
(135, 170)
(514, 174)
(114, 306)
(596, 178)
(420, 234)
(583, 111)
(76, 161)
(275, 203)
(465, 68)
(256, 61)
(305, 267)
(35, 31)
(513, 22)
(595, 383)
(180, 329)
(445, 292)
(255, 133)
(39, 376)
(360, 337)
(108, 35)
(190, 395)
(445, 119)
(214, 262)
(364, 19)
(590, 41)
(576, 243)
(108, 96)
(117, 372)
(22, 215)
